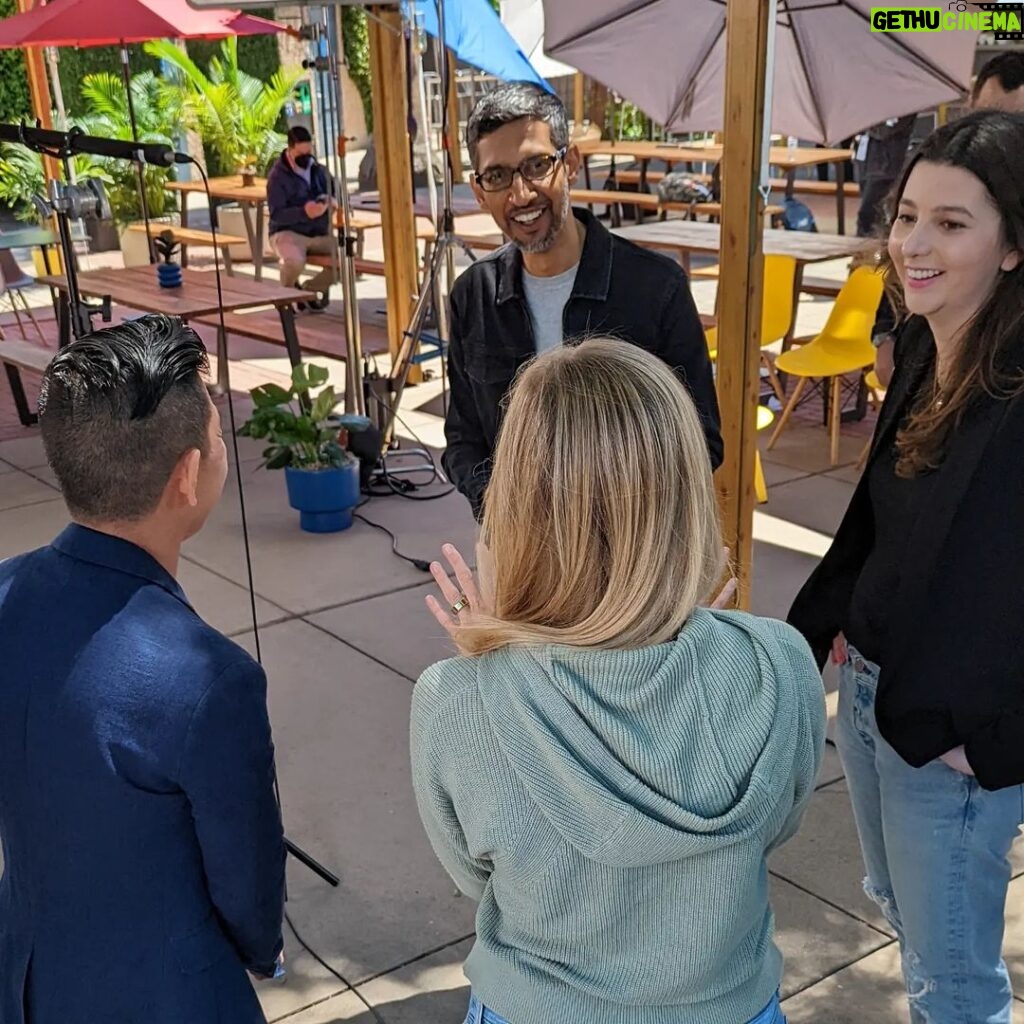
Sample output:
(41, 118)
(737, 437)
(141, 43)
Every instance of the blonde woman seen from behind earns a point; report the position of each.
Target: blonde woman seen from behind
(609, 762)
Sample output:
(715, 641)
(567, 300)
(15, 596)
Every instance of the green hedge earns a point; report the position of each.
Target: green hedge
(15, 101)
(75, 64)
(356, 43)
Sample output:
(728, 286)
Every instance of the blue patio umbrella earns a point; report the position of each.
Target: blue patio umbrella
(475, 34)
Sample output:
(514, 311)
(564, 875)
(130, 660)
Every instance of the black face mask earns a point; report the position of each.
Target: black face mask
(303, 160)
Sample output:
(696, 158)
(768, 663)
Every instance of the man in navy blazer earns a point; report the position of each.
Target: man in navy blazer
(142, 843)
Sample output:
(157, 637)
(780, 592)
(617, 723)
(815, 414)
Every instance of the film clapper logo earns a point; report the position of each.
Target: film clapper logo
(1004, 21)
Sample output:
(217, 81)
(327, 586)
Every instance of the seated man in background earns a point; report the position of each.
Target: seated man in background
(563, 277)
(300, 198)
(142, 844)
(999, 85)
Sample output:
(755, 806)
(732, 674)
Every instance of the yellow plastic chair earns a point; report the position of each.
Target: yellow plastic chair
(776, 314)
(844, 346)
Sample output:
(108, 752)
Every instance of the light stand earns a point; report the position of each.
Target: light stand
(433, 293)
(327, 67)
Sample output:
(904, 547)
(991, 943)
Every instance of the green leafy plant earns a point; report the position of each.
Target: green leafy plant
(15, 102)
(235, 114)
(166, 245)
(157, 114)
(356, 43)
(301, 430)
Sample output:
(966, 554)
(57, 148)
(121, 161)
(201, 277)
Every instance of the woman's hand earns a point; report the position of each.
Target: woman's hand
(460, 599)
(840, 653)
(728, 592)
(957, 760)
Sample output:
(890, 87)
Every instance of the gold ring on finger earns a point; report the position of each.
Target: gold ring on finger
(462, 602)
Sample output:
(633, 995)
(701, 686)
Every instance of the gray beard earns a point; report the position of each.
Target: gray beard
(558, 220)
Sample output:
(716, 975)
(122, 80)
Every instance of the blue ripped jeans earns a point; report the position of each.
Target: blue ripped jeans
(936, 849)
(479, 1014)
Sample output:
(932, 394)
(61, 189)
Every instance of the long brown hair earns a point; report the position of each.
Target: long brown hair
(600, 522)
(990, 145)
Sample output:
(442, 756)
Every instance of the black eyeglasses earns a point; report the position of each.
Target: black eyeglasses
(534, 168)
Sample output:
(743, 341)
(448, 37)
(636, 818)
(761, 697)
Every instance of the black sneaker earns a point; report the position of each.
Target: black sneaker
(301, 307)
(321, 302)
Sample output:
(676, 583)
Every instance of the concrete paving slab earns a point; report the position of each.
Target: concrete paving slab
(869, 991)
(341, 726)
(30, 526)
(814, 502)
(18, 489)
(431, 989)
(24, 452)
(345, 1007)
(301, 571)
(778, 574)
(414, 641)
(816, 940)
(807, 448)
(307, 983)
(824, 857)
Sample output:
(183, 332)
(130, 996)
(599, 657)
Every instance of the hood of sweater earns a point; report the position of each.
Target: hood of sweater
(654, 754)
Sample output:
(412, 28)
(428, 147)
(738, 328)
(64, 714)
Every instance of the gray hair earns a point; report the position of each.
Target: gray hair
(514, 101)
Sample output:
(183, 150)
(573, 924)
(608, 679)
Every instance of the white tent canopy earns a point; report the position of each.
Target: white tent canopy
(524, 20)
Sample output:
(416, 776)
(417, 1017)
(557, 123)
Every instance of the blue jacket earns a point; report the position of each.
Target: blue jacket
(142, 844)
(288, 193)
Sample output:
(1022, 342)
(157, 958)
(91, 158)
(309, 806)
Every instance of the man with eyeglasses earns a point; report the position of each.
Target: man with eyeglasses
(562, 278)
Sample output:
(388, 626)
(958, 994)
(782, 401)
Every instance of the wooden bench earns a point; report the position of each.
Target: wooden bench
(192, 236)
(363, 266)
(714, 210)
(323, 333)
(653, 177)
(811, 186)
(23, 355)
(826, 286)
(615, 201)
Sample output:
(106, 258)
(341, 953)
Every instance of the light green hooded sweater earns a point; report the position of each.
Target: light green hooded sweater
(612, 811)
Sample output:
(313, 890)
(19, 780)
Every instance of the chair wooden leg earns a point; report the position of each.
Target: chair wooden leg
(787, 412)
(17, 315)
(773, 378)
(835, 417)
(760, 484)
(31, 316)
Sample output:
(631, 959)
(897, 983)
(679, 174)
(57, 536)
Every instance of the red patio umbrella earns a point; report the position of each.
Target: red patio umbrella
(118, 23)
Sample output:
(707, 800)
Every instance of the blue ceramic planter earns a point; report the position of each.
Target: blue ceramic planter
(169, 275)
(325, 498)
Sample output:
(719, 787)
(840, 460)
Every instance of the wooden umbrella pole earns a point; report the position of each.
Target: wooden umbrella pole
(394, 172)
(740, 289)
(39, 92)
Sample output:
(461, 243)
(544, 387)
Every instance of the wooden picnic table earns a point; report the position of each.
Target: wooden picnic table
(251, 198)
(461, 207)
(782, 157)
(684, 237)
(137, 288)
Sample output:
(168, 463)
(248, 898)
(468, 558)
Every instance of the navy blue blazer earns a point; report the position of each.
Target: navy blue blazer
(142, 843)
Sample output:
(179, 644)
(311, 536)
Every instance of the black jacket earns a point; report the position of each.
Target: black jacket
(951, 671)
(620, 290)
(288, 193)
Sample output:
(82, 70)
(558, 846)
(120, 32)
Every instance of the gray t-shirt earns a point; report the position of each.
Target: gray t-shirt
(546, 298)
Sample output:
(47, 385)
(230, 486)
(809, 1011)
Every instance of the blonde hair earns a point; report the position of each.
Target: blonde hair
(600, 523)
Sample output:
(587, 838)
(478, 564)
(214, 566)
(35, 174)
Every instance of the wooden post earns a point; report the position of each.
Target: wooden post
(39, 91)
(740, 288)
(394, 172)
(578, 99)
(454, 140)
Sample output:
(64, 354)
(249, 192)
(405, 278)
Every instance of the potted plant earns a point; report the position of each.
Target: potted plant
(308, 443)
(169, 272)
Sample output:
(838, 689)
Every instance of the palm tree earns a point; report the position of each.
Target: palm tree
(234, 113)
(157, 115)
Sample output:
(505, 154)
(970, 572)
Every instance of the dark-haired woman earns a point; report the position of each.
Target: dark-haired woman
(921, 597)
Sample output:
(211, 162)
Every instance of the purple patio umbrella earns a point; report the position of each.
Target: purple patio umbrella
(833, 76)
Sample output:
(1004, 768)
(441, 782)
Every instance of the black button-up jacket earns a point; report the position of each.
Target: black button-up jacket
(621, 290)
